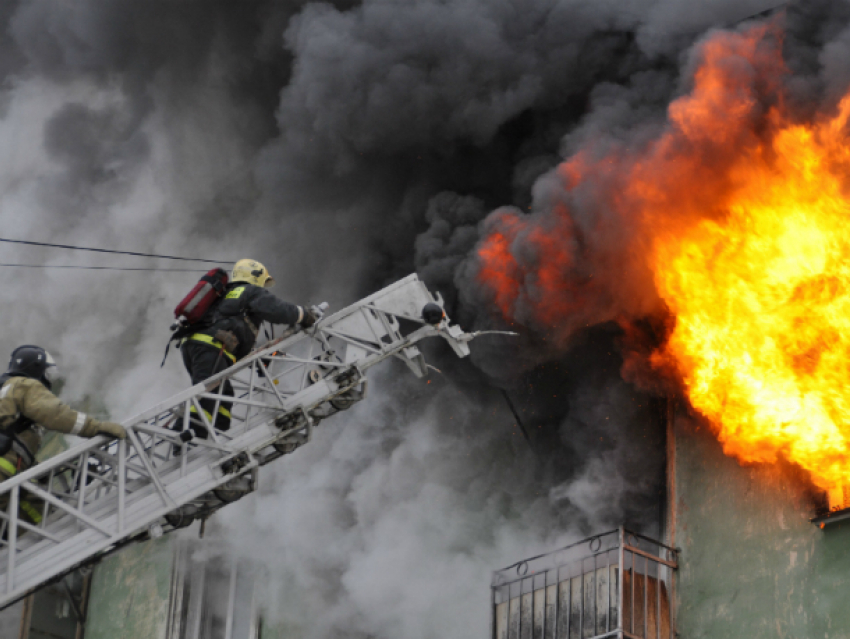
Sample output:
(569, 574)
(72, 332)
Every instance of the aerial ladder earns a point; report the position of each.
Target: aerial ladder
(102, 494)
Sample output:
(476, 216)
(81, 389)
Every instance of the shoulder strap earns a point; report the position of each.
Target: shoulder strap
(213, 315)
(243, 310)
(179, 334)
(9, 435)
(19, 425)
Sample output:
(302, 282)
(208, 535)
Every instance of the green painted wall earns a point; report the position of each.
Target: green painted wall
(130, 593)
(280, 631)
(752, 565)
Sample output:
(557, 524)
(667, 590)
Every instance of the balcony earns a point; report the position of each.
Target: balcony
(576, 592)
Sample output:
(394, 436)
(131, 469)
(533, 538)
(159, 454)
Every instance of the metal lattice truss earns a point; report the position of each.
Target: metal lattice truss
(104, 493)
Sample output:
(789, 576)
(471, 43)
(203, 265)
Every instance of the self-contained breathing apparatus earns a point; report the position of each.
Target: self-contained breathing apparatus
(196, 311)
(189, 314)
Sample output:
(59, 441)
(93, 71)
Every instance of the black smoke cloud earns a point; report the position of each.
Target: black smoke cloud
(346, 144)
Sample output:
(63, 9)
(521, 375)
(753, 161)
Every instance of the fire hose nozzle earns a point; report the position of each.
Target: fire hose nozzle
(319, 310)
(468, 337)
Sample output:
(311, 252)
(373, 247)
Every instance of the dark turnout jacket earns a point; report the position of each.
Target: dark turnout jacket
(241, 311)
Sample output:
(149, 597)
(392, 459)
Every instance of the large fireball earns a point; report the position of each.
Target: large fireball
(741, 216)
(762, 303)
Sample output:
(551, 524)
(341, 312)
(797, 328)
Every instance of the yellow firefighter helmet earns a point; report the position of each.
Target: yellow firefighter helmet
(253, 272)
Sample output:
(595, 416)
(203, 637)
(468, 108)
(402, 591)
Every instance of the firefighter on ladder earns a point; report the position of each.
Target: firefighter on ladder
(26, 406)
(229, 332)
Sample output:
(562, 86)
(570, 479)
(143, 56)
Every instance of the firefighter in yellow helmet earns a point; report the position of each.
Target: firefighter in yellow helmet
(230, 330)
(27, 405)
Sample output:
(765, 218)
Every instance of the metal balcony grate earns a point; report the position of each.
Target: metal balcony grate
(576, 592)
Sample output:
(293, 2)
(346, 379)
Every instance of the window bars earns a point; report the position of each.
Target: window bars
(103, 493)
(576, 592)
(214, 594)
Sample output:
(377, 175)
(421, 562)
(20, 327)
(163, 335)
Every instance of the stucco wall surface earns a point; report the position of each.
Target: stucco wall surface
(130, 593)
(751, 563)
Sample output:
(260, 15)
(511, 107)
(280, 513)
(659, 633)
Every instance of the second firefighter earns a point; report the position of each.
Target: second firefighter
(229, 331)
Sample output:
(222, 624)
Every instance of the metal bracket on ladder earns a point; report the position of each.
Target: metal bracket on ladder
(103, 493)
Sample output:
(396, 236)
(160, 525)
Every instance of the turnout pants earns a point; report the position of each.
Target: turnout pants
(203, 361)
(29, 506)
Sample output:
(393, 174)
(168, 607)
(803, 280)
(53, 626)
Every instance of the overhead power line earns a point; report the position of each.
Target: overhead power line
(102, 250)
(106, 268)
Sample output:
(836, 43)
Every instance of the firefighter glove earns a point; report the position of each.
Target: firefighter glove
(112, 429)
(309, 318)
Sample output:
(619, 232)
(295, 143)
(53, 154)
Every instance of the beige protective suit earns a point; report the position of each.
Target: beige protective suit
(23, 396)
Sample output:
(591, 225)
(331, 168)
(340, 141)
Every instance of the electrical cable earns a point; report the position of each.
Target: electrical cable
(761, 14)
(517, 417)
(106, 268)
(101, 250)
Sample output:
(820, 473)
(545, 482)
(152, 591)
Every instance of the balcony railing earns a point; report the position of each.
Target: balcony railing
(576, 592)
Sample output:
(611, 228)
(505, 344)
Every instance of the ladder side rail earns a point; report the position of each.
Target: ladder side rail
(105, 511)
(148, 508)
(56, 560)
(199, 481)
(254, 440)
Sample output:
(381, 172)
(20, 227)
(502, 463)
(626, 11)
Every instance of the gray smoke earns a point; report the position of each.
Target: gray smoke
(387, 525)
(347, 144)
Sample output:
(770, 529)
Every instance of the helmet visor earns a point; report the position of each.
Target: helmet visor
(51, 372)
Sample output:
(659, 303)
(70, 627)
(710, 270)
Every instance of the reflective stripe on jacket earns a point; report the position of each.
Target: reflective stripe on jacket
(7, 467)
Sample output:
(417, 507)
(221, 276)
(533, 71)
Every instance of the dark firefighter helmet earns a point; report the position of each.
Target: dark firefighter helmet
(32, 361)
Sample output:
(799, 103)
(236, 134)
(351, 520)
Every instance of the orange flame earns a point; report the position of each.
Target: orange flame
(498, 270)
(744, 218)
(762, 302)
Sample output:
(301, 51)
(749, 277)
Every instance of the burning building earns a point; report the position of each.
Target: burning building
(674, 260)
(737, 210)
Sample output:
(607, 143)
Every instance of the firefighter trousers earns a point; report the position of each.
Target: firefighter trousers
(29, 506)
(203, 361)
